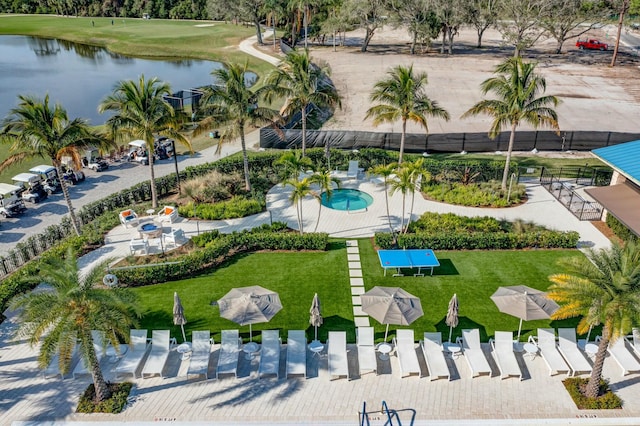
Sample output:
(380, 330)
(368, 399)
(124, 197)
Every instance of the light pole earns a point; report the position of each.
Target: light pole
(175, 162)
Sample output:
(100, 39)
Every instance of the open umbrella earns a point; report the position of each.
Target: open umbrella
(249, 305)
(452, 315)
(178, 314)
(391, 305)
(524, 302)
(315, 318)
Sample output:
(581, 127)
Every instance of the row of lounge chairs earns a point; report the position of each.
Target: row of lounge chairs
(561, 354)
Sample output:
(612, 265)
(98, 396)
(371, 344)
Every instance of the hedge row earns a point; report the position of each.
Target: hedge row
(480, 240)
(219, 249)
(620, 229)
(230, 209)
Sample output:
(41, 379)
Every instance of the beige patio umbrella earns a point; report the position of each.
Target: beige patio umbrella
(178, 314)
(315, 318)
(391, 305)
(452, 315)
(524, 302)
(249, 305)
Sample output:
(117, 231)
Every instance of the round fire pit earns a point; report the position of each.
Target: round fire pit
(150, 230)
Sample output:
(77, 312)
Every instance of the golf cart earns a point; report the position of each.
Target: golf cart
(31, 188)
(10, 204)
(72, 176)
(138, 152)
(93, 161)
(50, 177)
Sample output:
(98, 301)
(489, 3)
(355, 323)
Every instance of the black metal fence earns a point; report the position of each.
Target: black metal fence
(445, 142)
(562, 183)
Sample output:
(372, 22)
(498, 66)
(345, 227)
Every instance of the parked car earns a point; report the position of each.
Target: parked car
(11, 204)
(591, 44)
(49, 176)
(31, 188)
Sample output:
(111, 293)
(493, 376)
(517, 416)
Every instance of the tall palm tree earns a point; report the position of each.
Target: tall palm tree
(404, 183)
(604, 288)
(417, 174)
(293, 164)
(325, 183)
(37, 129)
(70, 310)
(233, 104)
(388, 172)
(302, 84)
(517, 101)
(401, 96)
(141, 112)
(301, 188)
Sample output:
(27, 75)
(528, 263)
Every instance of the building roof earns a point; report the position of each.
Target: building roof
(622, 201)
(623, 158)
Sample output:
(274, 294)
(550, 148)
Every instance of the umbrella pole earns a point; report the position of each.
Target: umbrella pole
(519, 329)
(184, 338)
(385, 333)
(316, 333)
(250, 334)
(589, 333)
(450, 331)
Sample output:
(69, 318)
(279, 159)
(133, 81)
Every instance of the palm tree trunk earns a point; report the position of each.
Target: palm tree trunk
(413, 197)
(505, 174)
(154, 195)
(593, 385)
(319, 211)
(300, 224)
(67, 199)
(101, 388)
(245, 160)
(404, 196)
(402, 137)
(386, 199)
(304, 130)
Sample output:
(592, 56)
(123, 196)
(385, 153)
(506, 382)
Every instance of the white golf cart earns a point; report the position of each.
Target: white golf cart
(92, 160)
(138, 152)
(31, 188)
(11, 204)
(49, 177)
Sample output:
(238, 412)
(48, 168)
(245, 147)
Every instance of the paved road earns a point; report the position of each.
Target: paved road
(119, 176)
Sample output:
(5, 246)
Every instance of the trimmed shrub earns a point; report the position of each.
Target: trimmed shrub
(231, 209)
(115, 404)
(606, 399)
(620, 229)
(484, 194)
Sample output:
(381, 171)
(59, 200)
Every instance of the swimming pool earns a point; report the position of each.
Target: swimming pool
(347, 200)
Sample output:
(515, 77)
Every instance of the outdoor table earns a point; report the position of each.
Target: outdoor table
(113, 356)
(316, 347)
(591, 349)
(150, 230)
(454, 350)
(530, 350)
(249, 349)
(384, 349)
(185, 350)
(150, 212)
(414, 258)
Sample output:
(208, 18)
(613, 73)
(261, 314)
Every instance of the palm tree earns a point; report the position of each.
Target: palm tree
(388, 172)
(603, 287)
(517, 101)
(293, 164)
(70, 310)
(404, 183)
(302, 84)
(418, 174)
(401, 96)
(141, 112)
(37, 129)
(325, 182)
(301, 188)
(232, 103)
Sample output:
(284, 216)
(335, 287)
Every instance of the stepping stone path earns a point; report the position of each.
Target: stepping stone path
(357, 283)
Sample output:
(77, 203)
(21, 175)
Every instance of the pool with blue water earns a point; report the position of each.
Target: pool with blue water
(347, 200)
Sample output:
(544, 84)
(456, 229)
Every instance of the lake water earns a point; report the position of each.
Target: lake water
(79, 76)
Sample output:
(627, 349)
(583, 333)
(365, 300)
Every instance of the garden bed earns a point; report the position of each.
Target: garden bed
(606, 399)
(115, 404)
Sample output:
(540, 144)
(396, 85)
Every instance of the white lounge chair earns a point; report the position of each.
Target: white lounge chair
(53, 369)
(546, 342)
(168, 214)
(138, 346)
(434, 356)
(337, 350)
(621, 354)
(634, 340)
(98, 346)
(229, 351)
(366, 350)
(502, 346)
(200, 354)
(568, 347)
(406, 351)
(354, 170)
(160, 344)
(270, 353)
(296, 353)
(128, 218)
(473, 353)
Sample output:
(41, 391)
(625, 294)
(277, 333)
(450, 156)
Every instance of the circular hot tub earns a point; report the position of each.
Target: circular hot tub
(347, 200)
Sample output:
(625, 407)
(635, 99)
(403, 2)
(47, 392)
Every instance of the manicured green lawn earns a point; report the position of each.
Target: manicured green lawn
(473, 275)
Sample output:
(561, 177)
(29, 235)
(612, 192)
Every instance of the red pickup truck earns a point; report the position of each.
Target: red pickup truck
(591, 44)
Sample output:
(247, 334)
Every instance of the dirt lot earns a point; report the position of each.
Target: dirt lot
(594, 96)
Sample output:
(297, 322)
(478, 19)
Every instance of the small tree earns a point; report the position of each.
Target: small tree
(388, 174)
(301, 188)
(325, 183)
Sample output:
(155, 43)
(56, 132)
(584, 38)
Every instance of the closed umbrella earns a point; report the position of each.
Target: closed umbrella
(178, 314)
(391, 305)
(524, 302)
(452, 315)
(249, 305)
(315, 318)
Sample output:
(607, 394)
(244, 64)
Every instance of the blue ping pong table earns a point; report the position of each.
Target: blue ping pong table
(397, 259)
